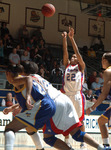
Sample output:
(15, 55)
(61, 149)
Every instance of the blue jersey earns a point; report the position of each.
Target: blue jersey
(38, 93)
(44, 107)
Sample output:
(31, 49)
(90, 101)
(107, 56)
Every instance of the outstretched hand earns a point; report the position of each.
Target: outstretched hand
(64, 34)
(71, 32)
(7, 110)
(88, 111)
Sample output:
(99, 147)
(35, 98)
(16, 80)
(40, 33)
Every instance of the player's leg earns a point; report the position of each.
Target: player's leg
(9, 133)
(55, 142)
(104, 132)
(36, 138)
(80, 136)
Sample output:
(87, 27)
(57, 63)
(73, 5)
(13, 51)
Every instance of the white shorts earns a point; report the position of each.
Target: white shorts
(78, 100)
(65, 118)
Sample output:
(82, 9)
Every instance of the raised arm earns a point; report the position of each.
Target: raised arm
(75, 48)
(65, 50)
(103, 95)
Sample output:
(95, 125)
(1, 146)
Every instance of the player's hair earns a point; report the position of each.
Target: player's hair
(30, 67)
(107, 56)
(15, 69)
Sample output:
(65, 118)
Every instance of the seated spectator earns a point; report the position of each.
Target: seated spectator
(9, 101)
(30, 44)
(42, 47)
(24, 33)
(37, 32)
(56, 77)
(1, 52)
(44, 72)
(90, 96)
(61, 72)
(48, 58)
(91, 53)
(19, 50)
(14, 57)
(35, 56)
(25, 56)
(91, 78)
(101, 80)
(4, 29)
(96, 86)
(85, 87)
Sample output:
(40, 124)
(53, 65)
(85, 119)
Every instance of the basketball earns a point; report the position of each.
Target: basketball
(48, 10)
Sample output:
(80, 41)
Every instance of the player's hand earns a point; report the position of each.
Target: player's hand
(64, 34)
(71, 32)
(28, 103)
(7, 110)
(16, 111)
(88, 111)
(108, 108)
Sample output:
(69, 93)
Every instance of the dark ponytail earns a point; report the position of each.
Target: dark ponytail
(15, 69)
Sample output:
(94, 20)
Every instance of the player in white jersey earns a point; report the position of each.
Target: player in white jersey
(74, 77)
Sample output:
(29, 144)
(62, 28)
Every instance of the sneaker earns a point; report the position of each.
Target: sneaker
(83, 146)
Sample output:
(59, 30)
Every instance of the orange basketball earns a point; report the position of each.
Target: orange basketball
(48, 10)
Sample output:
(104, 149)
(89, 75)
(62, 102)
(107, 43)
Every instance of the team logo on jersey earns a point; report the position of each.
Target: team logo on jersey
(28, 114)
(72, 70)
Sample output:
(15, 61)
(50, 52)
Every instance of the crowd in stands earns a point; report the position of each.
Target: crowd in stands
(32, 48)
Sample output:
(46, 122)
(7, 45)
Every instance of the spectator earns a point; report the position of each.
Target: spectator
(91, 78)
(56, 77)
(24, 33)
(85, 87)
(90, 96)
(1, 52)
(91, 53)
(14, 57)
(101, 80)
(9, 101)
(48, 58)
(4, 29)
(96, 86)
(42, 47)
(43, 72)
(30, 44)
(37, 33)
(25, 56)
(61, 72)
(35, 56)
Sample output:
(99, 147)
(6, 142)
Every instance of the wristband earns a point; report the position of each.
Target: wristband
(91, 109)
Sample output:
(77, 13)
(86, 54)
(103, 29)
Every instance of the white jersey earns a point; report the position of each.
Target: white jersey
(50, 90)
(73, 79)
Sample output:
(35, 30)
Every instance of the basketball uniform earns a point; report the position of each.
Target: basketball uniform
(72, 86)
(58, 116)
(107, 114)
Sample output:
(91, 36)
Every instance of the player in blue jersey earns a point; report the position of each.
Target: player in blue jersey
(106, 92)
(54, 112)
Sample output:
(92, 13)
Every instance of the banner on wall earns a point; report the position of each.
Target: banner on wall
(90, 122)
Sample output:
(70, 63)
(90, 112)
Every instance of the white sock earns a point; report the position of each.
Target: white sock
(100, 147)
(105, 140)
(37, 140)
(9, 140)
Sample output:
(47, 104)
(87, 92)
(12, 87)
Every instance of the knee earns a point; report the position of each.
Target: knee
(50, 140)
(8, 129)
(79, 136)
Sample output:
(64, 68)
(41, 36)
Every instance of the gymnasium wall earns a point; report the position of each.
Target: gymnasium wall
(50, 33)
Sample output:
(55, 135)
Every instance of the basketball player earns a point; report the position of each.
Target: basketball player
(106, 91)
(74, 78)
(57, 115)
